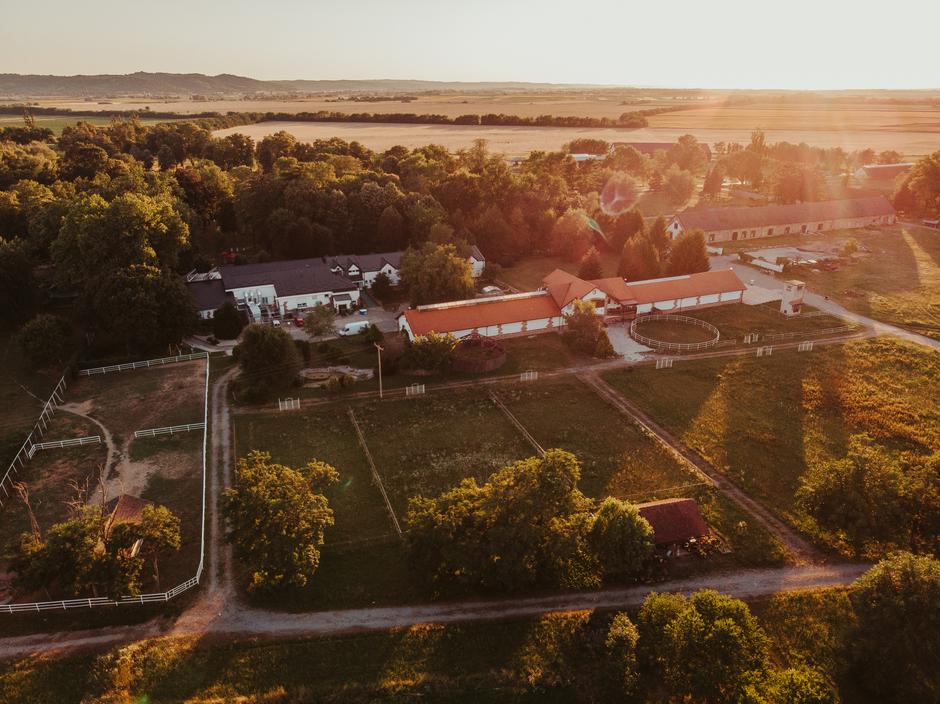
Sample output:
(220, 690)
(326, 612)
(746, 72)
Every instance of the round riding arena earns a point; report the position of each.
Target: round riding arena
(674, 333)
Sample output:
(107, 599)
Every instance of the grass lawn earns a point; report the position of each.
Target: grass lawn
(669, 331)
(735, 321)
(619, 460)
(762, 422)
(425, 445)
(57, 123)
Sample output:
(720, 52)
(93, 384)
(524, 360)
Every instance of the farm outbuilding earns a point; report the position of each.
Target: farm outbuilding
(675, 522)
(544, 310)
(732, 224)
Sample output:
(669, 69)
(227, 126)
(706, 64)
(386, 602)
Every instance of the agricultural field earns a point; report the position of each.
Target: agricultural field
(57, 123)
(762, 422)
(165, 469)
(514, 141)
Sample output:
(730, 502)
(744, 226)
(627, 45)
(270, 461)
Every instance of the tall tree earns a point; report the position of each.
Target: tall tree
(45, 341)
(434, 273)
(269, 360)
(591, 266)
(688, 254)
(17, 290)
(621, 537)
(277, 516)
(639, 260)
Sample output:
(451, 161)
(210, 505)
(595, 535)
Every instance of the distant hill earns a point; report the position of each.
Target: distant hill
(186, 84)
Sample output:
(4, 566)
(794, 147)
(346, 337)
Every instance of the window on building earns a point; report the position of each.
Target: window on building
(753, 233)
(786, 230)
(803, 228)
(711, 236)
(770, 231)
(819, 226)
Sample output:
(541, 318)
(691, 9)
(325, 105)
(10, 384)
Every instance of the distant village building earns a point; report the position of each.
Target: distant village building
(732, 224)
(545, 310)
(885, 173)
(275, 289)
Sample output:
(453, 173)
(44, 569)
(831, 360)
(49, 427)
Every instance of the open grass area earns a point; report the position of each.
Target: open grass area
(425, 445)
(735, 321)
(617, 459)
(58, 123)
(143, 398)
(763, 421)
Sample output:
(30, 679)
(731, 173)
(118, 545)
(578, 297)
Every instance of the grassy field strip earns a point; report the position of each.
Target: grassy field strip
(375, 473)
(614, 399)
(801, 551)
(515, 421)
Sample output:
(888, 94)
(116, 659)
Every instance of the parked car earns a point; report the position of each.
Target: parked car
(355, 328)
(275, 322)
(299, 322)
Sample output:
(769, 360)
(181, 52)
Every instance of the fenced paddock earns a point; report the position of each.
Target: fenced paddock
(59, 444)
(679, 347)
(30, 447)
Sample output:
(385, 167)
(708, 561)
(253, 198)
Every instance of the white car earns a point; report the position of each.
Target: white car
(355, 328)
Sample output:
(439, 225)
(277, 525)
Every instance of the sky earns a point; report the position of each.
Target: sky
(784, 44)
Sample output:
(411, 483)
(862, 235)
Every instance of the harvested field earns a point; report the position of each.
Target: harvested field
(521, 140)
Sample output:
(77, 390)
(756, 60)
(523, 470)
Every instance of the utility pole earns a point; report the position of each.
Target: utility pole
(378, 351)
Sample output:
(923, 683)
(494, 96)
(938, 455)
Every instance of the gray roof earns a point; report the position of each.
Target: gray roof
(289, 278)
(476, 253)
(729, 218)
(209, 294)
(367, 262)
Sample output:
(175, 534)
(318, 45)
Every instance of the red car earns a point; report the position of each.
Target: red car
(299, 322)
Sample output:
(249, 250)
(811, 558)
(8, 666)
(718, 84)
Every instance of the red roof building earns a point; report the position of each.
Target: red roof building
(674, 521)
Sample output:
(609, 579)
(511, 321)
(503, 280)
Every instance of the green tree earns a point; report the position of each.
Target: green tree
(319, 321)
(678, 184)
(658, 235)
(431, 352)
(141, 309)
(797, 686)
(391, 229)
(584, 331)
(526, 525)
(159, 532)
(434, 273)
(591, 266)
(46, 340)
(639, 260)
(621, 537)
(382, 287)
(896, 646)
(269, 360)
(276, 517)
(571, 237)
(923, 183)
(621, 652)
(711, 648)
(714, 182)
(227, 321)
(688, 254)
(17, 288)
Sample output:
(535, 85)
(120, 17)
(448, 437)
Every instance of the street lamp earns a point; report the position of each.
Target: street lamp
(378, 351)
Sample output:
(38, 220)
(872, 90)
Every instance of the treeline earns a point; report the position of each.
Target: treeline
(219, 121)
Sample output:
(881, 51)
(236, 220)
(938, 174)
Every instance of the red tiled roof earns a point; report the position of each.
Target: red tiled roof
(480, 313)
(730, 218)
(674, 520)
(704, 283)
(616, 288)
(564, 287)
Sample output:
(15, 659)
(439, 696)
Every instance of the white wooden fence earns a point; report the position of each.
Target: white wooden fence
(663, 346)
(141, 598)
(144, 364)
(25, 452)
(58, 444)
(529, 376)
(805, 346)
(288, 404)
(664, 363)
(414, 390)
(169, 430)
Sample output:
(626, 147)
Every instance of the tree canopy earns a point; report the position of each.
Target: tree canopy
(433, 273)
(269, 360)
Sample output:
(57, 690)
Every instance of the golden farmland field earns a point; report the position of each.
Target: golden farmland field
(521, 140)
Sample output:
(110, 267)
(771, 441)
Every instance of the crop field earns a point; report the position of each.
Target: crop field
(166, 470)
(522, 140)
(58, 123)
(762, 422)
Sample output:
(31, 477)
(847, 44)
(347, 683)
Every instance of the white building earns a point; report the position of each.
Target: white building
(732, 224)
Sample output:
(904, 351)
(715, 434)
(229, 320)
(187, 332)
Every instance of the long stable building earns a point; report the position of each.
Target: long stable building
(731, 224)
(545, 310)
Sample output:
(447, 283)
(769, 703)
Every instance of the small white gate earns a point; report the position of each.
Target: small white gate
(288, 404)
(805, 346)
(665, 363)
(764, 351)
(529, 376)
(414, 390)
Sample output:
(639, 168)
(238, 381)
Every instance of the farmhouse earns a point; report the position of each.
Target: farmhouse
(731, 224)
(545, 310)
(675, 522)
(274, 289)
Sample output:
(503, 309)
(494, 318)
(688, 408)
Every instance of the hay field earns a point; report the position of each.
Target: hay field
(521, 140)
